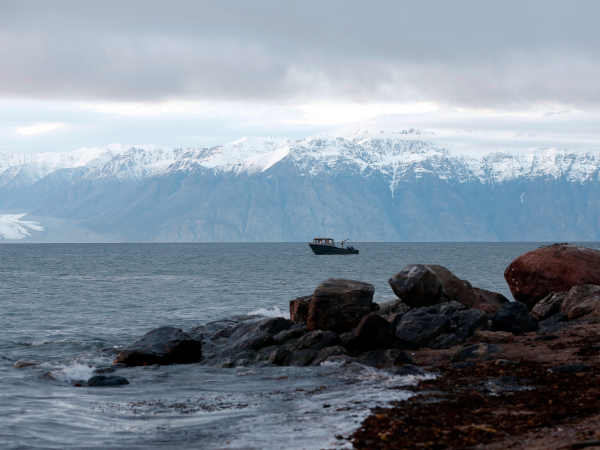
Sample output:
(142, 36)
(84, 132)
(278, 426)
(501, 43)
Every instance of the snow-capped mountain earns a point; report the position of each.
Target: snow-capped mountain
(392, 177)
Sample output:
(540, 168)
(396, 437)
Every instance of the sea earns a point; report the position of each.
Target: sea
(70, 308)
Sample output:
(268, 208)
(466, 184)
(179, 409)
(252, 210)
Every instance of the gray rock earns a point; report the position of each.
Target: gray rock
(554, 324)
(328, 352)
(279, 356)
(250, 341)
(314, 340)
(339, 360)
(417, 286)
(104, 381)
(479, 352)
(582, 301)
(420, 328)
(514, 317)
(392, 306)
(570, 368)
(272, 326)
(301, 357)
(548, 306)
(384, 358)
(453, 288)
(447, 309)
(407, 369)
(293, 333)
(464, 323)
(164, 346)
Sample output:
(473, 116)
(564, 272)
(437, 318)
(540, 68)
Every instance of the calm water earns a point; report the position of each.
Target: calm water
(70, 307)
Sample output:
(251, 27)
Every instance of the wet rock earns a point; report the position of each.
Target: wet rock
(384, 358)
(548, 306)
(447, 309)
(570, 368)
(556, 268)
(314, 340)
(299, 309)
(417, 286)
(464, 324)
(494, 337)
(554, 324)
(453, 288)
(253, 341)
(338, 360)
(514, 317)
(479, 352)
(164, 346)
(103, 381)
(407, 369)
(204, 332)
(22, 363)
(272, 326)
(327, 353)
(293, 333)
(419, 327)
(488, 301)
(339, 305)
(279, 356)
(372, 332)
(264, 353)
(301, 357)
(582, 301)
(103, 370)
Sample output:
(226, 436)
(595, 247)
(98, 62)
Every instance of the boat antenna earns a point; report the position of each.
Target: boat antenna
(344, 241)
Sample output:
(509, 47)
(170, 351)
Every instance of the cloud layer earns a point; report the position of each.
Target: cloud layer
(470, 54)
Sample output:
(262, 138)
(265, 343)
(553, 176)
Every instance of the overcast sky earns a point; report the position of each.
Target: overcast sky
(192, 73)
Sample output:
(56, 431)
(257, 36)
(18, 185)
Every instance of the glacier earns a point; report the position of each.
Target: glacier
(392, 177)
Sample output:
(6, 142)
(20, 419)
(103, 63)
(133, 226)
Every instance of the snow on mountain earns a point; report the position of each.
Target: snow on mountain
(12, 227)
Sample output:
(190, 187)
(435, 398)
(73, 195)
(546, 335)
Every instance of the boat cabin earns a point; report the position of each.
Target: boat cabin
(323, 241)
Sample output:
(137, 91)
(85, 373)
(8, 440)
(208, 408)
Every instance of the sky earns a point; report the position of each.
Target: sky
(202, 73)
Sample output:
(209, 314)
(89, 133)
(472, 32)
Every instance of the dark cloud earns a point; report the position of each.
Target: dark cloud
(465, 53)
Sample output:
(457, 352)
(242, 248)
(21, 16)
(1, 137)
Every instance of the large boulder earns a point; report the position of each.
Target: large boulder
(464, 324)
(548, 306)
(582, 301)
(339, 305)
(453, 288)
(488, 301)
(389, 307)
(514, 317)
(417, 285)
(299, 308)
(556, 268)
(164, 346)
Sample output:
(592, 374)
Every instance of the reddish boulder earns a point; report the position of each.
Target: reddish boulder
(556, 268)
(487, 301)
(299, 309)
(339, 305)
(582, 301)
(453, 288)
(417, 285)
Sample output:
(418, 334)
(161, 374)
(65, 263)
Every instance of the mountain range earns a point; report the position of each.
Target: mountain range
(390, 178)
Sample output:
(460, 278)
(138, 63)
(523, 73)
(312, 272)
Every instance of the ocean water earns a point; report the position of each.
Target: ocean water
(71, 307)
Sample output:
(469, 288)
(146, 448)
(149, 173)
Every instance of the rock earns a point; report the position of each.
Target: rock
(582, 301)
(384, 358)
(556, 268)
(279, 356)
(554, 324)
(314, 340)
(479, 352)
(338, 361)
(548, 306)
(299, 309)
(103, 381)
(301, 357)
(514, 317)
(392, 306)
(252, 341)
(453, 288)
(292, 333)
(464, 324)
(164, 346)
(417, 285)
(462, 365)
(494, 337)
(372, 332)
(447, 309)
(327, 353)
(488, 301)
(204, 332)
(22, 363)
(506, 362)
(419, 327)
(103, 370)
(547, 338)
(570, 368)
(407, 369)
(339, 305)
(264, 353)
(272, 326)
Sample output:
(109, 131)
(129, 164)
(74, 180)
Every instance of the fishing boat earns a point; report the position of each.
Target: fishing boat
(326, 246)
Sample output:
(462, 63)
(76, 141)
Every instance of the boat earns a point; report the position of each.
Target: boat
(326, 246)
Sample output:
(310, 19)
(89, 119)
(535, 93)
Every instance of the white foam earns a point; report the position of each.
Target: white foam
(76, 372)
(275, 312)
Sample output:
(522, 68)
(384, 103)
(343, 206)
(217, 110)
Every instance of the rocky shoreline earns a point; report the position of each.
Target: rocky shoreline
(505, 369)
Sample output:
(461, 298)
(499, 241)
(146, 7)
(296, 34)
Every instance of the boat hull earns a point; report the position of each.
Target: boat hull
(330, 250)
